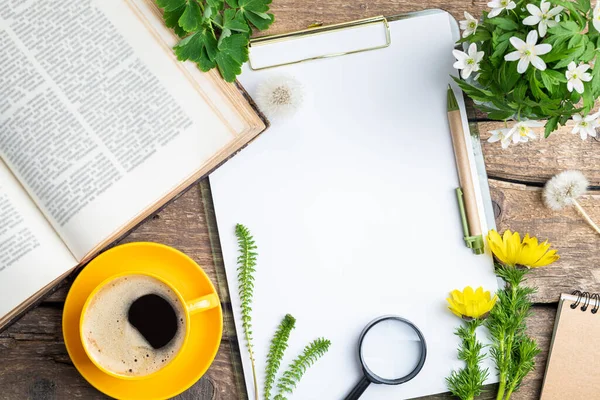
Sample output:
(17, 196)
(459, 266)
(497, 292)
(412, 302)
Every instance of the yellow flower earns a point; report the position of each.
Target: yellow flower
(511, 251)
(470, 304)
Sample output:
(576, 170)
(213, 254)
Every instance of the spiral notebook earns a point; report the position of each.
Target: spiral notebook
(573, 369)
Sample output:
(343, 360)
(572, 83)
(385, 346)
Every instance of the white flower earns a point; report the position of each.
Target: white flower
(469, 26)
(564, 189)
(542, 16)
(468, 63)
(596, 16)
(522, 132)
(575, 75)
(586, 125)
(500, 5)
(279, 96)
(501, 135)
(528, 52)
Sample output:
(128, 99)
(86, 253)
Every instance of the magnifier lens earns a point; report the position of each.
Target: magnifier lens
(391, 349)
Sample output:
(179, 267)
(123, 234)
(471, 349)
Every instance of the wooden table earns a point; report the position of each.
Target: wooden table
(34, 363)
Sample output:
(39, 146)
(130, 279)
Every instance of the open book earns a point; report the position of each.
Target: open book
(100, 125)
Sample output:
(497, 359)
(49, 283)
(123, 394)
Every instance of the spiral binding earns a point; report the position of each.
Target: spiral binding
(585, 299)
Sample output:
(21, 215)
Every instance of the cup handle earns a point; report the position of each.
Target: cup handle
(203, 303)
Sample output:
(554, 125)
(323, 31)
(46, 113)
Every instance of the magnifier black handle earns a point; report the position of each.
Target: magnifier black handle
(359, 389)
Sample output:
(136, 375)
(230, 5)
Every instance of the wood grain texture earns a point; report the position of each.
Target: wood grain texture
(33, 360)
(35, 364)
(521, 210)
(291, 15)
(537, 161)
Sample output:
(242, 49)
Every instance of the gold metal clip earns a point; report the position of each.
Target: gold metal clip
(269, 39)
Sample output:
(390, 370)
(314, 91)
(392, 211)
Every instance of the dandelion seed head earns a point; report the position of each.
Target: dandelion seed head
(562, 189)
(279, 96)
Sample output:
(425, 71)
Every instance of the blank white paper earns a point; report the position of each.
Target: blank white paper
(352, 205)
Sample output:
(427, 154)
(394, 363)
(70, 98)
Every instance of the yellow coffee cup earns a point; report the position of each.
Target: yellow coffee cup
(107, 336)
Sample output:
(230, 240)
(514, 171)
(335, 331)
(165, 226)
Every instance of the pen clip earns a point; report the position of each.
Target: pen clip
(473, 242)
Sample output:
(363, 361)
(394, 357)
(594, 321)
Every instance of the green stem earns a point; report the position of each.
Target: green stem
(502, 367)
(509, 392)
(501, 388)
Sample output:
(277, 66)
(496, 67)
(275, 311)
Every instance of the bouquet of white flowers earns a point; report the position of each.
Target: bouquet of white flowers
(528, 60)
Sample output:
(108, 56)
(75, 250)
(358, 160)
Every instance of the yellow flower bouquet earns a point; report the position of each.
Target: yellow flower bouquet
(472, 306)
(504, 314)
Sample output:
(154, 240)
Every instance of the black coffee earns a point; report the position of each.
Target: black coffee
(155, 318)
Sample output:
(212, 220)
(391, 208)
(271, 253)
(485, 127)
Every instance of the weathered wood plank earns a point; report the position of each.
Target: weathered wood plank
(35, 360)
(291, 15)
(521, 209)
(539, 160)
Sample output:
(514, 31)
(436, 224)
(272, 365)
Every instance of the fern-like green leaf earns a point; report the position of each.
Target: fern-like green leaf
(278, 346)
(246, 269)
(290, 378)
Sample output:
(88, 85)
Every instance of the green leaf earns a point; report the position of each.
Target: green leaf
(216, 4)
(233, 52)
(575, 40)
(234, 21)
(588, 98)
(596, 78)
(589, 53)
(192, 17)
(501, 48)
(551, 126)
(519, 92)
(480, 35)
(508, 76)
(577, 51)
(534, 85)
(205, 63)
(562, 32)
(583, 5)
(500, 115)
(192, 46)
(170, 5)
(255, 12)
(172, 20)
(504, 23)
(573, 12)
(290, 378)
(279, 344)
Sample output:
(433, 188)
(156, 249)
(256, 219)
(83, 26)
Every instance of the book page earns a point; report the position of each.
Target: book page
(31, 253)
(100, 120)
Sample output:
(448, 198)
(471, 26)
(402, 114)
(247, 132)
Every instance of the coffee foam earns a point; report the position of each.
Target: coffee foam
(113, 342)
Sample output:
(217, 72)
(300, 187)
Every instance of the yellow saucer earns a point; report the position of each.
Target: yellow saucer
(206, 328)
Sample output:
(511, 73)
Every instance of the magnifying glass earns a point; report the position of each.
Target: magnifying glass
(392, 351)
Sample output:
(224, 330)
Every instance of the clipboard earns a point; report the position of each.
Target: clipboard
(476, 157)
(272, 163)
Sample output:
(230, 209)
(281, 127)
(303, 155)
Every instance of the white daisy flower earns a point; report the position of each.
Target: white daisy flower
(500, 135)
(586, 126)
(596, 16)
(542, 16)
(522, 132)
(576, 75)
(528, 52)
(279, 96)
(469, 26)
(468, 62)
(498, 6)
